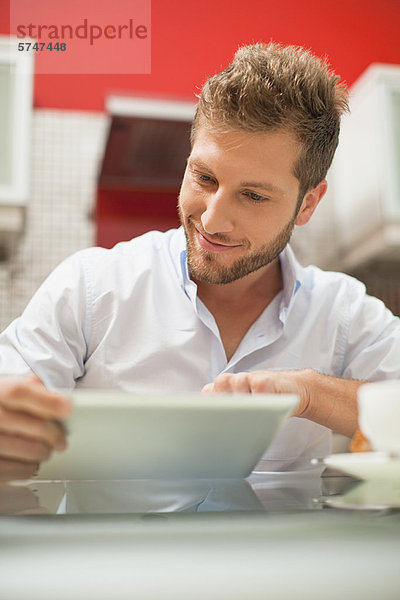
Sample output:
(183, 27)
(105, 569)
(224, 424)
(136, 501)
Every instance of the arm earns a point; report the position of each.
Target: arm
(50, 337)
(329, 401)
(29, 425)
(48, 340)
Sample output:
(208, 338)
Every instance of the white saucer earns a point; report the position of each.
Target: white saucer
(375, 494)
(366, 465)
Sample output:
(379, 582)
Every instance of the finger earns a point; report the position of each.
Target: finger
(262, 383)
(25, 425)
(13, 469)
(224, 383)
(32, 397)
(208, 388)
(240, 383)
(276, 382)
(23, 449)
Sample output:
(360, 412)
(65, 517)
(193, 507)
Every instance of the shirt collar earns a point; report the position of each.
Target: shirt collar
(182, 253)
(292, 274)
(180, 256)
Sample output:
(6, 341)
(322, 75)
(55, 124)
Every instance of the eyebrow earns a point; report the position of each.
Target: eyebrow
(198, 163)
(259, 185)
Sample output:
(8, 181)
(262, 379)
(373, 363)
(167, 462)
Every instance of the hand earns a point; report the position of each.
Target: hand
(324, 399)
(265, 382)
(29, 425)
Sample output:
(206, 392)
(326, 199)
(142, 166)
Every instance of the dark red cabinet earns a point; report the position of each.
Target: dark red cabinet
(140, 177)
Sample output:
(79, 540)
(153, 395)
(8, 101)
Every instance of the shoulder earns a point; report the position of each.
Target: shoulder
(344, 298)
(348, 299)
(128, 265)
(330, 292)
(319, 280)
(92, 271)
(133, 255)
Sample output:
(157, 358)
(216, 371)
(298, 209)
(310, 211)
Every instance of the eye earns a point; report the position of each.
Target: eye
(255, 197)
(203, 178)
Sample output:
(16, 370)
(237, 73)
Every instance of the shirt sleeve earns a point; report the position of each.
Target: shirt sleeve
(372, 349)
(50, 338)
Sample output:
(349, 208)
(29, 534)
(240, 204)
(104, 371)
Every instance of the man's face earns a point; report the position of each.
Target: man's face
(238, 202)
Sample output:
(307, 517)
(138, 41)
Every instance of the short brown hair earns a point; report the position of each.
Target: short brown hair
(268, 87)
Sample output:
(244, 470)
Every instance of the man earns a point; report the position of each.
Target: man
(220, 304)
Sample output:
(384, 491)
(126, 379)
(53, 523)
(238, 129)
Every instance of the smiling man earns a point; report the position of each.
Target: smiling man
(221, 304)
(234, 227)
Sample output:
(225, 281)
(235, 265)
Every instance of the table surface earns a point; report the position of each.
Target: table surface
(288, 535)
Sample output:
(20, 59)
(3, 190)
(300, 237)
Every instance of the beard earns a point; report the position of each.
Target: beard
(204, 266)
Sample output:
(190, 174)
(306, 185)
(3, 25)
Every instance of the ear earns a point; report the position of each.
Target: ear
(310, 202)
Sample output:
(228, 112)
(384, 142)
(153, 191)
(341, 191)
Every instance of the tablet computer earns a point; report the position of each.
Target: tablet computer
(121, 435)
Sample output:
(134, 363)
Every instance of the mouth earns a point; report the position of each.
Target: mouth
(208, 244)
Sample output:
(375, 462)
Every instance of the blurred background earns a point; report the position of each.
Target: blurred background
(97, 158)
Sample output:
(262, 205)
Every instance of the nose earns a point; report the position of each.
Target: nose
(218, 217)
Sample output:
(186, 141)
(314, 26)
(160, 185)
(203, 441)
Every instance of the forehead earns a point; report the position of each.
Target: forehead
(247, 155)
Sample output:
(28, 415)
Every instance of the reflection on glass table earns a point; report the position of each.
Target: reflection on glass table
(284, 492)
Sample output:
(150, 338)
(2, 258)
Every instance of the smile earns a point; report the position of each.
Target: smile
(207, 244)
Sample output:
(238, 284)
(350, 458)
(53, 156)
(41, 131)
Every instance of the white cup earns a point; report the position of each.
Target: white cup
(379, 415)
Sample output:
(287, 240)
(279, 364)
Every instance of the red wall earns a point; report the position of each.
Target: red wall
(191, 39)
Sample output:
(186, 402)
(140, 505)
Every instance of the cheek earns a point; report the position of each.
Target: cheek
(191, 200)
(260, 226)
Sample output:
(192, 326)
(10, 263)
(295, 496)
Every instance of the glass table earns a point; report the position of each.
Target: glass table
(280, 536)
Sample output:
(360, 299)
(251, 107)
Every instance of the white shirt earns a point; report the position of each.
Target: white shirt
(129, 318)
